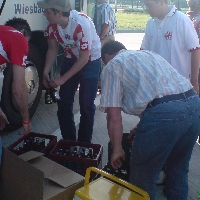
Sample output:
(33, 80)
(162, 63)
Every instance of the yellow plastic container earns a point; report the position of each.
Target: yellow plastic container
(104, 189)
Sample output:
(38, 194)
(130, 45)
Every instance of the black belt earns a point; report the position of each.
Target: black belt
(171, 97)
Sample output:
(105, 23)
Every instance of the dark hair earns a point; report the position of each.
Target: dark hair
(111, 47)
(65, 14)
(19, 24)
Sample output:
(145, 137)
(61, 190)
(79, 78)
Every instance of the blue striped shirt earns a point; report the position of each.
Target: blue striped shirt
(105, 15)
(134, 78)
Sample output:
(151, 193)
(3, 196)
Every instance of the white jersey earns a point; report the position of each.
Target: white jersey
(173, 38)
(80, 34)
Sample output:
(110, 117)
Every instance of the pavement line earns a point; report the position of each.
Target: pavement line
(76, 118)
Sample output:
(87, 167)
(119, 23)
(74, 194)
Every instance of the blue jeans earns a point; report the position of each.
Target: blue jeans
(88, 78)
(166, 133)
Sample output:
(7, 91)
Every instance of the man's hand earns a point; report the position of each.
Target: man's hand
(116, 158)
(3, 120)
(57, 82)
(46, 80)
(27, 129)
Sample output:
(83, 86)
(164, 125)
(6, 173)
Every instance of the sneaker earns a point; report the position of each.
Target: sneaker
(161, 178)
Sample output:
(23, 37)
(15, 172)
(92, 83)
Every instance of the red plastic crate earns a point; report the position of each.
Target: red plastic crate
(82, 162)
(50, 141)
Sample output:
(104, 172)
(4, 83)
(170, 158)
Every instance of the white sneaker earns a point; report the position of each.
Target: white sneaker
(161, 178)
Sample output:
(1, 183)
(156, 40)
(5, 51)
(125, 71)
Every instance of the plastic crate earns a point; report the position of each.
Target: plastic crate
(111, 188)
(76, 163)
(50, 142)
(124, 171)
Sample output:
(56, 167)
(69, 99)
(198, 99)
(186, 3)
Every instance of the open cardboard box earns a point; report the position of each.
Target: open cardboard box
(35, 177)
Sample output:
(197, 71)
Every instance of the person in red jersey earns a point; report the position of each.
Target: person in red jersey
(14, 37)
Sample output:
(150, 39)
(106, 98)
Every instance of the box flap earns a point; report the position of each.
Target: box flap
(53, 192)
(51, 169)
(30, 155)
(67, 179)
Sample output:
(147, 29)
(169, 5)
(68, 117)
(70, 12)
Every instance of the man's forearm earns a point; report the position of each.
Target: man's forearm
(104, 31)
(21, 97)
(20, 91)
(115, 128)
(78, 65)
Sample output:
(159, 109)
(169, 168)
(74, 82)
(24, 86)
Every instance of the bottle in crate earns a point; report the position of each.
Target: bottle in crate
(90, 153)
(42, 144)
(20, 148)
(24, 146)
(74, 151)
(81, 152)
(60, 151)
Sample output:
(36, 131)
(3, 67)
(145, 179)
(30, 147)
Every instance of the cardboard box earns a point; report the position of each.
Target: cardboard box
(49, 140)
(31, 176)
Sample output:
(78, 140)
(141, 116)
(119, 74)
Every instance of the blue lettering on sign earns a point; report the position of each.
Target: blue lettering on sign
(23, 9)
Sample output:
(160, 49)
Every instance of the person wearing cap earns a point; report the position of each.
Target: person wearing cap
(76, 33)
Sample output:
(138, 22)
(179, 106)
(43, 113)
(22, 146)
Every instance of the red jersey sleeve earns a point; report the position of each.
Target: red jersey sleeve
(17, 49)
(50, 31)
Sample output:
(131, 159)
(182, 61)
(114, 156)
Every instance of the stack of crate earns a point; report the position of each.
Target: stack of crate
(77, 156)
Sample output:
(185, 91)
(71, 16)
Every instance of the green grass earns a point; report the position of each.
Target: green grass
(131, 20)
(134, 20)
(128, 20)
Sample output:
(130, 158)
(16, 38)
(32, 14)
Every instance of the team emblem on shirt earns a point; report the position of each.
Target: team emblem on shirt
(168, 35)
(84, 45)
(67, 37)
